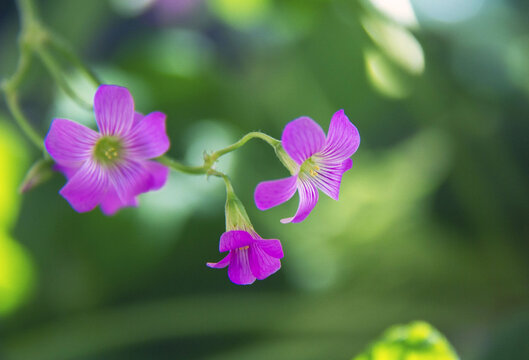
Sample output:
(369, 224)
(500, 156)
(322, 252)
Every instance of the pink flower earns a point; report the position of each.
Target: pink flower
(110, 167)
(319, 163)
(250, 257)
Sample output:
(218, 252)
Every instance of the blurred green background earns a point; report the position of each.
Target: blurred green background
(432, 222)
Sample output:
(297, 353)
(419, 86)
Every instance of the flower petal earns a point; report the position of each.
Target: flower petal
(272, 193)
(132, 178)
(234, 239)
(239, 270)
(159, 174)
(330, 176)
(347, 165)
(221, 264)
(302, 138)
(137, 118)
(308, 197)
(68, 171)
(343, 138)
(262, 264)
(272, 247)
(70, 143)
(113, 109)
(148, 139)
(85, 190)
(111, 202)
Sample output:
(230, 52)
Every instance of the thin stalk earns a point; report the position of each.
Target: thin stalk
(209, 160)
(22, 121)
(58, 43)
(178, 166)
(28, 14)
(252, 135)
(58, 76)
(29, 27)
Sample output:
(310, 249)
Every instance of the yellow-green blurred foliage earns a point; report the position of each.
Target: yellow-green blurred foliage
(416, 341)
(16, 272)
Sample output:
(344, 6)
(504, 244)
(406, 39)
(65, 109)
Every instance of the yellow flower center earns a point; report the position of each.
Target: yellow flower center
(310, 167)
(108, 150)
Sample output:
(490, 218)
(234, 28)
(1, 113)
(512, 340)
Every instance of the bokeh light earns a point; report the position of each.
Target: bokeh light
(400, 11)
(449, 11)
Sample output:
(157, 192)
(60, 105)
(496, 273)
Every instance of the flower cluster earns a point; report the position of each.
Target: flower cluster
(111, 167)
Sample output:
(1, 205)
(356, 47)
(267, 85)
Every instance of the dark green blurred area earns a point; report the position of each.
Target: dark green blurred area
(432, 222)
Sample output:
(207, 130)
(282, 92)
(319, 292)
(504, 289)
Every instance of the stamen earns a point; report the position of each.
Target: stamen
(108, 150)
(309, 167)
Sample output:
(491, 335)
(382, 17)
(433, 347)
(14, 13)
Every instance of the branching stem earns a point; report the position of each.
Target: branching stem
(210, 159)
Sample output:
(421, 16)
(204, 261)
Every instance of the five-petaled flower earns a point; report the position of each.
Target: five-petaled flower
(112, 167)
(250, 257)
(319, 163)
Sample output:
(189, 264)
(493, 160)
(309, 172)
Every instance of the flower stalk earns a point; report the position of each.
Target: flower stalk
(207, 167)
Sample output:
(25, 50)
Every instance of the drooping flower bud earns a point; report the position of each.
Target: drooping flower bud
(40, 172)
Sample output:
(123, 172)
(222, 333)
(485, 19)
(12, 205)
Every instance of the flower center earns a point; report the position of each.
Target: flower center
(310, 167)
(244, 248)
(108, 150)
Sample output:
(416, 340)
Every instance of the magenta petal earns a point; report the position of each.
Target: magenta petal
(129, 179)
(221, 264)
(330, 176)
(272, 193)
(70, 143)
(111, 202)
(68, 171)
(308, 197)
(114, 110)
(137, 118)
(343, 138)
(158, 174)
(132, 178)
(234, 239)
(85, 190)
(262, 265)
(347, 165)
(272, 247)
(148, 138)
(239, 270)
(302, 138)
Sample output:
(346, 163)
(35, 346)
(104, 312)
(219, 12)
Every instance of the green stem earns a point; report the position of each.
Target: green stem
(58, 76)
(65, 49)
(29, 27)
(178, 166)
(22, 121)
(252, 135)
(26, 9)
(209, 160)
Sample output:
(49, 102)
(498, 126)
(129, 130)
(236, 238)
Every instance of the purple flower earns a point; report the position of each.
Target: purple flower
(110, 168)
(319, 162)
(250, 257)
